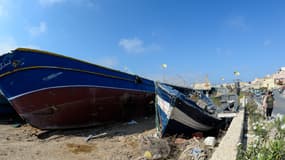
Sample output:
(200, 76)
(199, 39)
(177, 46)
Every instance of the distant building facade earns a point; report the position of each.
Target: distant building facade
(267, 82)
(279, 77)
(270, 81)
(203, 87)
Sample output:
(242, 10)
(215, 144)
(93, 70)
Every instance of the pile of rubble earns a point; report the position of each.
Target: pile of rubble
(178, 148)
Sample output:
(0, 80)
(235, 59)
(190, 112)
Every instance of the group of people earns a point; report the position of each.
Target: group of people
(268, 103)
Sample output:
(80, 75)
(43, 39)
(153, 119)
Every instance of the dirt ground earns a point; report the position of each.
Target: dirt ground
(120, 141)
(117, 141)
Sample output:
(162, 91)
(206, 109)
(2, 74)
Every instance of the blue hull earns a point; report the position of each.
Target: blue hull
(49, 90)
(25, 70)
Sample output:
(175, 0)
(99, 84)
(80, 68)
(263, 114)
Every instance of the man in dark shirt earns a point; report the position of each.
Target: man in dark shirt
(269, 102)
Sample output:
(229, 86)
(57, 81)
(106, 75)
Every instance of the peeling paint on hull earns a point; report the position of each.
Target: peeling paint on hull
(80, 107)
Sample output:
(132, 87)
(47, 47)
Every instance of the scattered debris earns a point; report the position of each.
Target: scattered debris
(180, 141)
(95, 136)
(210, 142)
(44, 134)
(147, 155)
(195, 150)
(155, 148)
(17, 125)
(116, 141)
(132, 122)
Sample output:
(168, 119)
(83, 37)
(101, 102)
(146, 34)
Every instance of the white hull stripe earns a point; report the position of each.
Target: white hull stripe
(69, 86)
(188, 121)
(176, 114)
(165, 106)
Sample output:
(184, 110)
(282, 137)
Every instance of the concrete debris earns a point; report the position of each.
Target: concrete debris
(193, 150)
(210, 142)
(154, 148)
(132, 122)
(95, 136)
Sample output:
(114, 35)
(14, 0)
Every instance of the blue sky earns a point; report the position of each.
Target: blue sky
(195, 38)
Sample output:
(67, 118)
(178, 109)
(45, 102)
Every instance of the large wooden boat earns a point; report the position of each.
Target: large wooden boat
(52, 91)
(181, 110)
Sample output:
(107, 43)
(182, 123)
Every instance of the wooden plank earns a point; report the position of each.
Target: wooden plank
(227, 115)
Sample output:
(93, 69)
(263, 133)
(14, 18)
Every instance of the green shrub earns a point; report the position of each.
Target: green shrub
(268, 140)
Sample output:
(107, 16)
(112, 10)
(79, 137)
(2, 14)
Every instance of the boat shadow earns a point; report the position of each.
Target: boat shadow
(107, 130)
(10, 119)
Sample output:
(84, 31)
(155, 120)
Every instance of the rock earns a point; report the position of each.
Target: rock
(158, 148)
(180, 141)
(210, 141)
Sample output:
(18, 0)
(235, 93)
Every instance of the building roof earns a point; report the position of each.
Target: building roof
(202, 86)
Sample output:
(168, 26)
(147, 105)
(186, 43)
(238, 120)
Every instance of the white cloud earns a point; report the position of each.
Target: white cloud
(9, 43)
(136, 45)
(238, 22)
(37, 30)
(267, 43)
(108, 62)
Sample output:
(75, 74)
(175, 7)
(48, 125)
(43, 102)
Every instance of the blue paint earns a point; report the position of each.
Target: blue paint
(194, 117)
(34, 70)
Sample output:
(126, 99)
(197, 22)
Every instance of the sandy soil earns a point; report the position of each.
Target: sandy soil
(119, 141)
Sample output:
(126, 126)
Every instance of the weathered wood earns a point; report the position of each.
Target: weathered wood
(227, 115)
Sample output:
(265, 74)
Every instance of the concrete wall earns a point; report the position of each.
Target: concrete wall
(228, 147)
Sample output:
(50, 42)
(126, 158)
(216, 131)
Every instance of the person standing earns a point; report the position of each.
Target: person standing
(268, 103)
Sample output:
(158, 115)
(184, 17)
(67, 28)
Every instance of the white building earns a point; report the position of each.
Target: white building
(270, 81)
(279, 77)
(266, 82)
(202, 86)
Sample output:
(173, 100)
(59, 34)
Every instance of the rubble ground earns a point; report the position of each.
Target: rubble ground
(119, 141)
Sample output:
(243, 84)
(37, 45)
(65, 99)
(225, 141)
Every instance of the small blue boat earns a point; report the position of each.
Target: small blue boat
(184, 111)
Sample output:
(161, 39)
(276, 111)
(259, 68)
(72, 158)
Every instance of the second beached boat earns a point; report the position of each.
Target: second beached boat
(184, 111)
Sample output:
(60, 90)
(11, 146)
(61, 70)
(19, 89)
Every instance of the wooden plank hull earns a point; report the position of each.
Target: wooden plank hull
(52, 91)
(177, 114)
(72, 107)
